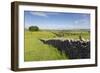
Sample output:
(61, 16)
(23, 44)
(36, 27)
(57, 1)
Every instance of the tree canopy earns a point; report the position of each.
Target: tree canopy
(33, 28)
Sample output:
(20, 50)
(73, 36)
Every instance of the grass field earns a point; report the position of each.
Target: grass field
(35, 50)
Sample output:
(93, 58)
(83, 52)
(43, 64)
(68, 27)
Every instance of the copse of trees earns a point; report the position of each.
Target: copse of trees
(33, 28)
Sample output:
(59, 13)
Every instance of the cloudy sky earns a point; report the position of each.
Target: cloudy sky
(56, 20)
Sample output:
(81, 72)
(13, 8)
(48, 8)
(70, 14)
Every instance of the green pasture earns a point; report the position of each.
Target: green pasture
(35, 50)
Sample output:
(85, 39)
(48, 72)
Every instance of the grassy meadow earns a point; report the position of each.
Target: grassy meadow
(35, 50)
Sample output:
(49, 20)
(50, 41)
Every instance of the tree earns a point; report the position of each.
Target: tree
(33, 28)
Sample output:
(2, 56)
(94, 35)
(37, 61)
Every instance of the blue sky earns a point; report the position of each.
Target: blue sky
(56, 20)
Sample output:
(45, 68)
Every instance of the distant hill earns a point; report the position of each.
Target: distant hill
(68, 30)
(78, 30)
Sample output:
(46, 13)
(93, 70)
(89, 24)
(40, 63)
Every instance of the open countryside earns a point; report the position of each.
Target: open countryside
(55, 43)
(36, 50)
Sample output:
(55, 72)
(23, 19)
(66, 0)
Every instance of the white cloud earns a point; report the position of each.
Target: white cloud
(82, 23)
(39, 14)
(76, 22)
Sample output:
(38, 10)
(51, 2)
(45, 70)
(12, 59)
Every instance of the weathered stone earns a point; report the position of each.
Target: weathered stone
(72, 49)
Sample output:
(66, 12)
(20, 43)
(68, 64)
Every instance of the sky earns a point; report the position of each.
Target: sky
(56, 20)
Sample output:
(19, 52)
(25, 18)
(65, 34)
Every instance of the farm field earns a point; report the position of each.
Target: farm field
(35, 50)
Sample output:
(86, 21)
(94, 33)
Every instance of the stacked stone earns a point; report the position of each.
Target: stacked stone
(73, 49)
